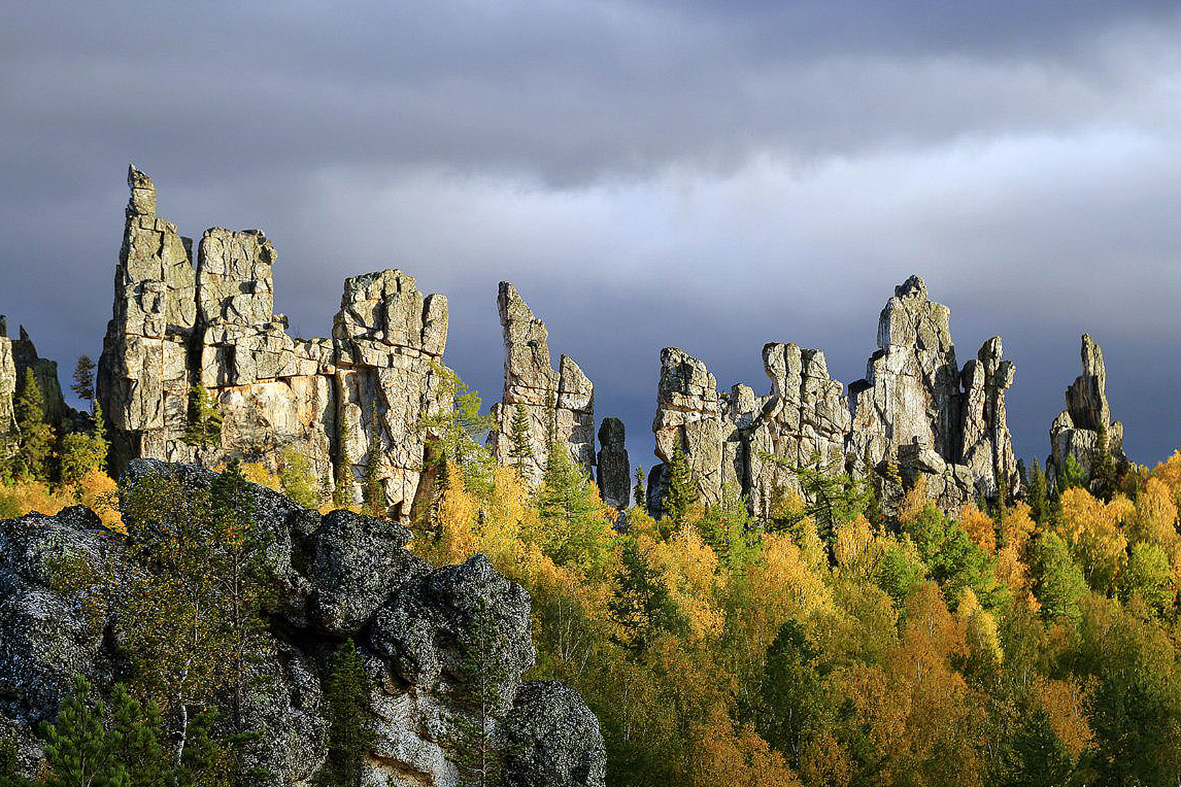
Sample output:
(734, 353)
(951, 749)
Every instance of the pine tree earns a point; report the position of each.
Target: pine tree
(137, 731)
(1103, 474)
(638, 494)
(342, 488)
(350, 719)
(84, 452)
(682, 491)
(83, 384)
(78, 749)
(1039, 504)
(521, 435)
(373, 491)
(32, 456)
(204, 427)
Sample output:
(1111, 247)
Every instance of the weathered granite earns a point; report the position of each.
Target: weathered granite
(333, 576)
(7, 396)
(25, 357)
(340, 401)
(987, 445)
(915, 413)
(561, 400)
(613, 464)
(1075, 432)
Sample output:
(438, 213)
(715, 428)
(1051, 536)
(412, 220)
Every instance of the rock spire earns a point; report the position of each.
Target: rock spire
(558, 401)
(1075, 432)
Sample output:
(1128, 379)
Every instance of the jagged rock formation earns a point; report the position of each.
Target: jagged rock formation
(613, 465)
(335, 576)
(1075, 432)
(743, 441)
(25, 357)
(915, 412)
(357, 397)
(561, 400)
(7, 392)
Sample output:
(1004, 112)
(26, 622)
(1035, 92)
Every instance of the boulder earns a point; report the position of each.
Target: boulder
(554, 739)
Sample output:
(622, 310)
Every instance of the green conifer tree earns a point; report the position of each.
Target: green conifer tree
(350, 719)
(78, 749)
(682, 491)
(1104, 480)
(83, 384)
(640, 602)
(82, 452)
(1039, 503)
(31, 462)
(342, 488)
(639, 495)
(204, 428)
(521, 435)
(137, 731)
(295, 479)
(475, 719)
(373, 491)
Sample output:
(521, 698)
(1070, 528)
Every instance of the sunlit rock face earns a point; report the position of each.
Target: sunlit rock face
(343, 403)
(1075, 432)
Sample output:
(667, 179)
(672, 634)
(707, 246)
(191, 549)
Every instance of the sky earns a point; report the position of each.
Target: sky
(706, 175)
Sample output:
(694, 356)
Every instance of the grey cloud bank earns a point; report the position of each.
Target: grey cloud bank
(708, 176)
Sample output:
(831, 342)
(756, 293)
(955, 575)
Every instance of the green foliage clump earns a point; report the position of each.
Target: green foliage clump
(521, 436)
(295, 479)
(204, 427)
(31, 461)
(350, 718)
(84, 452)
(682, 491)
(1059, 582)
(640, 602)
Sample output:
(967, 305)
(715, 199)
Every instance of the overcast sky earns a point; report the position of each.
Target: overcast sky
(707, 175)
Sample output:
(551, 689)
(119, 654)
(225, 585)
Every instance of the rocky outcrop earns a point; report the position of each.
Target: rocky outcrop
(746, 442)
(334, 576)
(614, 469)
(7, 394)
(340, 403)
(912, 383)
(1075, 432)
(987, 445)
(561, 400)
(916, 414)
(25, 358)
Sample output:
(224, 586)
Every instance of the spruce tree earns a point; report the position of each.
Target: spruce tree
(32, 456)
(204, 428)
(640, 602)
(1039, 504)
(342, 488)
(475, 720)
(1103, 473)
(83, 384)
(83, 452)
(350, 719)
(682, 491)
(373, 492)
(521, 448)
(638, 494)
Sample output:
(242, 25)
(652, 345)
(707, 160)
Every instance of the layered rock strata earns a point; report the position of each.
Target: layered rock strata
(334, 576)
(561, 401)
(1075, 432)
(340, 403)
(916, 414)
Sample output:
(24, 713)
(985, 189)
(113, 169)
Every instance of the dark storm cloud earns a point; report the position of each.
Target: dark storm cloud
(709, 175)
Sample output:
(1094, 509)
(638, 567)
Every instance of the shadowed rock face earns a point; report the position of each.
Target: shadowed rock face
(1075, 432)
(337, 402)
(561, 400)
(335, 576)
(613, 464)
(915, 410)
